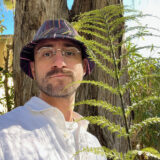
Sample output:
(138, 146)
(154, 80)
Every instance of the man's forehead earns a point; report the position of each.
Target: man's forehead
(53, 42)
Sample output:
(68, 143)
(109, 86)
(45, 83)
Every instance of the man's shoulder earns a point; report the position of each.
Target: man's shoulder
(13, 117)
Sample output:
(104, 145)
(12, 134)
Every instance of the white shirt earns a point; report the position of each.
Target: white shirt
(38, 131)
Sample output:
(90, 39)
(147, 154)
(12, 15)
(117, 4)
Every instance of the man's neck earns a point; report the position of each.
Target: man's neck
(64, 104)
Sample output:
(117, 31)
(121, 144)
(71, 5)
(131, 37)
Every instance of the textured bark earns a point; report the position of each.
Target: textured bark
(91, 92)
(29, 15)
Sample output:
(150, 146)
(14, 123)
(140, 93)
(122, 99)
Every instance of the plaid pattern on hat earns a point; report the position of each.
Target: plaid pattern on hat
(51, 29)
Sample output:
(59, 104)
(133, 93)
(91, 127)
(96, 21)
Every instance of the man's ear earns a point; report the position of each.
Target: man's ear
(32, 65)
(85, 66)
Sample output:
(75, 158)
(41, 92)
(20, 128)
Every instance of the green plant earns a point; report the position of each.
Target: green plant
(107, 27)
(9, 4)
(144, 87)
(7, 98)
(2, 27)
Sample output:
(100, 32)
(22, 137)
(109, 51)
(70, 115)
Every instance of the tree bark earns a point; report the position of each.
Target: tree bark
(29, 16)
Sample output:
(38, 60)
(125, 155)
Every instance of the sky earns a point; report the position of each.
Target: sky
(8, 18)
(146, 6)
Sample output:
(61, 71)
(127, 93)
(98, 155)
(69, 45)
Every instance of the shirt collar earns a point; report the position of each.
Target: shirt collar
(37, 105)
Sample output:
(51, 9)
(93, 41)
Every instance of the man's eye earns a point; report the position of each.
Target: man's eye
(47, 54)
(69, 53)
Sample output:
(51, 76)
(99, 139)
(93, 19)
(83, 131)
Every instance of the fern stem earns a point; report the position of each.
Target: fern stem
(118, 83)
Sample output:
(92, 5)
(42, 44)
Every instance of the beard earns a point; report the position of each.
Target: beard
(58, 88)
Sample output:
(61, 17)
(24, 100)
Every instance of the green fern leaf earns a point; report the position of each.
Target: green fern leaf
(132, 81)
(146, 152)
(114, 109)
(103, 151)
(145, 123)
(140, 104)
(103, 122)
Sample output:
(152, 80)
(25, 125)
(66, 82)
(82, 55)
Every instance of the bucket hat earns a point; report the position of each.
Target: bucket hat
(51, 29)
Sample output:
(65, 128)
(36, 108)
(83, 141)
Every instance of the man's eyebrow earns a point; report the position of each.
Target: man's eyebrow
(72, 45)
(69, 45)
(45, 45)
(52, 45)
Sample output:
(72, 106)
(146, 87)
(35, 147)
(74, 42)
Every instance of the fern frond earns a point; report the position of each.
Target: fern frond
(114, 109)
(151, 152)
(94, 27)
(140, 104)
(94, 57)
(130, 83)
(134, 50)
(100, 84)
(136, 62)
(131, 154)
(128, 29)
(96, 83)
(146, 152)
(145, 123)
(95, 34)
(116, 36)
(116, 23)
(103, 151)
(140, 34)
(103, 122)
(100, 65)
(108, 26)
(94, 45)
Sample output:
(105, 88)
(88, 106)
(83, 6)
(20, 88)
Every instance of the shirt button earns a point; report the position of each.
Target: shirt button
(65, 135)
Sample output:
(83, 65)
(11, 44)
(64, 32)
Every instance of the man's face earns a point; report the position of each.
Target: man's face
(57, 64)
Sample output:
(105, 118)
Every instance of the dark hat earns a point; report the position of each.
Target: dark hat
(51, 29)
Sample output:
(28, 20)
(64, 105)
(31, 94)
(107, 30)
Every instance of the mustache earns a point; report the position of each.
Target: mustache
(59, 70)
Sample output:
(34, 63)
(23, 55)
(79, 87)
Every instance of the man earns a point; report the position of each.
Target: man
(45, 127)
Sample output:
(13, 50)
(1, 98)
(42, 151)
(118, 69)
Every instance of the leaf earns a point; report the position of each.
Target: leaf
(114, 109)
(145, 123)
(103, 151)
(103, 122)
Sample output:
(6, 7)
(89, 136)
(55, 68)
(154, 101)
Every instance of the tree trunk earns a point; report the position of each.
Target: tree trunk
(29, 16)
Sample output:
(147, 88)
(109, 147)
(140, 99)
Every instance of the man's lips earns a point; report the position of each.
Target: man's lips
(58, 75)
(58, 72)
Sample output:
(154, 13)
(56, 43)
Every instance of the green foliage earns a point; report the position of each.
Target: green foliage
(103, 151)
(103, 122)
(7, 98)
(6, 81)
(9, 4)
(113, 109)
(105, 45)
(145, 153)
(146, 90)
(2, 27)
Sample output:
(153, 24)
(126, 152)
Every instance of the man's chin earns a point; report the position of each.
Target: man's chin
(58, 90)
(58, 93)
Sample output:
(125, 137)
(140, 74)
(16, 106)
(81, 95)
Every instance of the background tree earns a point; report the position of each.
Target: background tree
(29, 15)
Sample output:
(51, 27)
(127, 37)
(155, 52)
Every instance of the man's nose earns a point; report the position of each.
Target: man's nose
(59, 60)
